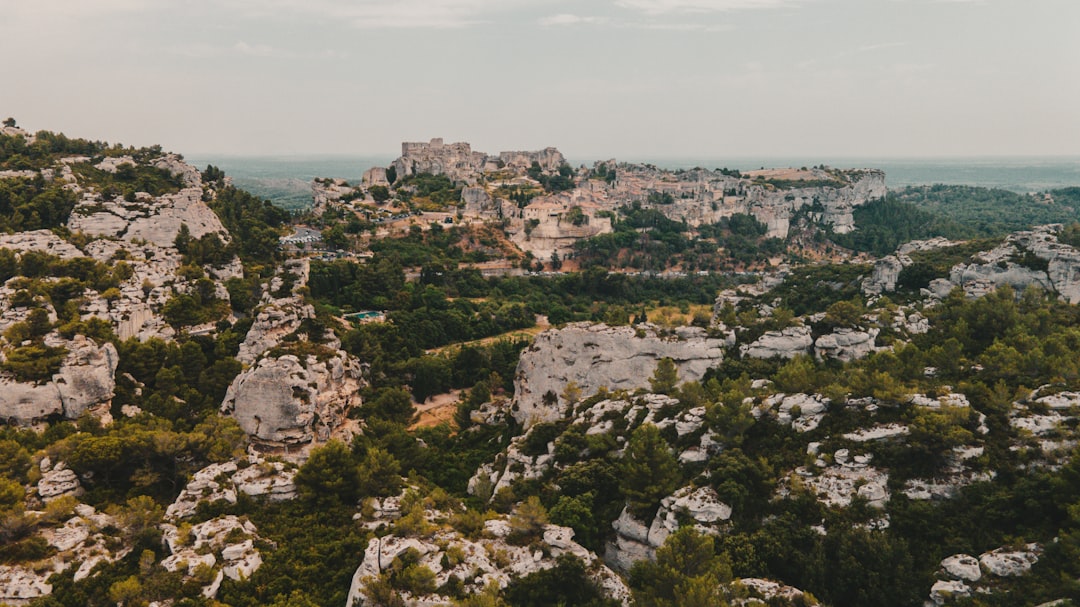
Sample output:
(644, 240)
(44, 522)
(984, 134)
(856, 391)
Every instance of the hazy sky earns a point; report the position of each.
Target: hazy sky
(595, 78)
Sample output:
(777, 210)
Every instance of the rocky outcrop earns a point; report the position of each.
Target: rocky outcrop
(1028, 258)
(80, 542)
(887, 269)
(57, 481)
(85, 380)
(489, 559)
(42, 241)
(215, 549)
(154, 220)
(787, 343)
(633, 541)
(594, 356)
(287, 402)
(846, 344)
(803, 412)
(962, 575)
(280, 314)
(251, 475)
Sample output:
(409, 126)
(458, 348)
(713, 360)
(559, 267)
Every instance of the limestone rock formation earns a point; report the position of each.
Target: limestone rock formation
(963, 575)
(79, 542)
(479, 562)
(846, 344)
(155, 220)
(225, 544)
(42, 241)
(279, 314)
(803, 412)
(770, 592)
(287, 402)
(1033, 257)
(634, 541)
(251, 475)
(57, 481)
(788, 343)
(86, 379)
(595, 355)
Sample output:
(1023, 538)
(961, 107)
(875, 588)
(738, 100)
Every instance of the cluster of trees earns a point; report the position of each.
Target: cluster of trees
(255, 224)
(561, 181)
(955, 212)
(34, 204)
(127, 180)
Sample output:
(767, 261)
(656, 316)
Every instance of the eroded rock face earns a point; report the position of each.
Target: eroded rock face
(787, 343)
(596, 355)
(251, 475)
(633, 541)
(42, 241)
(284, 401)
(155, 220)
(846, 344)
(225, 544)
(1033, 257)
(85, 380)
(57, 480)
(280, 313)
(770, 591)
(79, 543)
(491, 559)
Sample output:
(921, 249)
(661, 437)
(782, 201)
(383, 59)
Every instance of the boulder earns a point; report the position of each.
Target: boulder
(883, 279)
(1006, 562)
(57, 481)
(846, 344)
(944, 591)
(633, 541)
(283, 402)
(962, 567)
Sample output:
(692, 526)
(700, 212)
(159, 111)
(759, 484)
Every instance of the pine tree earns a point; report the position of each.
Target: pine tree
(649, 471)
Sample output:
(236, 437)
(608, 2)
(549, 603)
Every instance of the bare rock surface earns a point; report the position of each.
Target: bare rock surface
(846, 344)
(634, 541)
(251, 475)
(225, 545)
(86, 378)
(595, 355)
(286, 401)
(489, 559)
(787, 343)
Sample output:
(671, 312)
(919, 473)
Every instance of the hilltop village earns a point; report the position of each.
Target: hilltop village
(545, 206)
(475, 380)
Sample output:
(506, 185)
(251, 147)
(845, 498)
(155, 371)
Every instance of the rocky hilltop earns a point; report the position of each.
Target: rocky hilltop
(547, 206)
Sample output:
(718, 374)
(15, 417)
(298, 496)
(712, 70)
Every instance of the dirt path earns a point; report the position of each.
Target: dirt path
(436, 410)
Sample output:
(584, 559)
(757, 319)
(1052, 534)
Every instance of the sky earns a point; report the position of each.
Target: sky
(629, 79)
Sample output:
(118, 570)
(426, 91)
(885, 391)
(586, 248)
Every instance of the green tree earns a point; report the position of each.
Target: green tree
(666, 376)
(649, 471)
(687, 572)
(330, 477)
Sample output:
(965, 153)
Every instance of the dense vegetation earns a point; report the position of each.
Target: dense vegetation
(954, 212)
